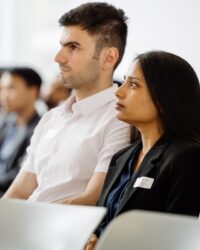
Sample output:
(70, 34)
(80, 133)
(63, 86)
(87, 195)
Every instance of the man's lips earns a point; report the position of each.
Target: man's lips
(64, 69)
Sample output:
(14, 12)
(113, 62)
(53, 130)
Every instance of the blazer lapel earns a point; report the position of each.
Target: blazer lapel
(120, 163)
(147, 165)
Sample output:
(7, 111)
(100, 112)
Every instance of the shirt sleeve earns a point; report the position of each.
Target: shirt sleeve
(28, 163)
(116, 137)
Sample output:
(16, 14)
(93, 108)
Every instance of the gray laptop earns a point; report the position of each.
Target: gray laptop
(26, 225)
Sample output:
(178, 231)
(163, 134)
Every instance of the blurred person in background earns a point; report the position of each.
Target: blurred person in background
(55, 93)
(2, 111)
(19, 91)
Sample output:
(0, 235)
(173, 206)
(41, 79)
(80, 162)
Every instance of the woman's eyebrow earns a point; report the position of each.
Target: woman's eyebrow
(132, 78)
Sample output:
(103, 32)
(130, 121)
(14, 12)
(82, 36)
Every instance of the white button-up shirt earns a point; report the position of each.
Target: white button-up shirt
(73, 141)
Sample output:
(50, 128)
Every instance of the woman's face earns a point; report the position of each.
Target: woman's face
(134, 104)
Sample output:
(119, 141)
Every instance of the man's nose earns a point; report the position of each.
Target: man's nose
(60, 57)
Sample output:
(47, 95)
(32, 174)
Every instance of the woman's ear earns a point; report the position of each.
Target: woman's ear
(110, 58)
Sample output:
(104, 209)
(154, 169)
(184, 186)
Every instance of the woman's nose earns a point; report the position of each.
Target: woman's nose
(120, 92)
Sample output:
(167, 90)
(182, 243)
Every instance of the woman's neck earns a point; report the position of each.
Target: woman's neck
(150, 136)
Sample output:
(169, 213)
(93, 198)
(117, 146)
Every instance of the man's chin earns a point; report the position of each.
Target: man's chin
(66, 82)
(63, 80)
(8, 110)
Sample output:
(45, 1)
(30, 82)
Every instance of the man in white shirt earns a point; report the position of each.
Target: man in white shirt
(71, 148)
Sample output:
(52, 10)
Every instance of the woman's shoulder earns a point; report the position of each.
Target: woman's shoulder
(124, 152)
(184, 150)
(185, 144)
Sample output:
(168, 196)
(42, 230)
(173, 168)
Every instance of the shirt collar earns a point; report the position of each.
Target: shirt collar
(90, 104)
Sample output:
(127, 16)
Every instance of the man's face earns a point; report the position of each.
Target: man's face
(0, 95)
(79, 67)
(15, 94)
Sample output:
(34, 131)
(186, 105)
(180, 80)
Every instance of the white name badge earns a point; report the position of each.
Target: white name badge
(144, 182)
(51, 133)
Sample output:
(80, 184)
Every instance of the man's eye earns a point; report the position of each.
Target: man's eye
(73, 47)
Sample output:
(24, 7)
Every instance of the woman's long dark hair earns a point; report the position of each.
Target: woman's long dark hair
(175, 90)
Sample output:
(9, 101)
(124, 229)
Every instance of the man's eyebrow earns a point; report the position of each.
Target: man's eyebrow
(70, 43)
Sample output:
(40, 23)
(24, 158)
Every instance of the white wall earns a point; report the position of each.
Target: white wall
(29, 31)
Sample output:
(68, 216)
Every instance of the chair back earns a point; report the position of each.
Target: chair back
(144, 230)
(26, 225)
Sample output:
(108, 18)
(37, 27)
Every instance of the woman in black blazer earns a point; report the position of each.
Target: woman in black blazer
(160, 97)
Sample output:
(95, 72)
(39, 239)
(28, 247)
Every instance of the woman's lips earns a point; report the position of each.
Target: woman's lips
(119, 106)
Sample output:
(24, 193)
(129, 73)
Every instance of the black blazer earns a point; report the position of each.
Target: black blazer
(14, 163)
(174, 166)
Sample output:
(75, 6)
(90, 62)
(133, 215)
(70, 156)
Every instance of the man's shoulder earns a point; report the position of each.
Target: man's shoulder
(125, 150)
(54, 112)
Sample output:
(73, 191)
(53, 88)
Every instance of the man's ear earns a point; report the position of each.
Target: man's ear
(110, 58)
(35, 92)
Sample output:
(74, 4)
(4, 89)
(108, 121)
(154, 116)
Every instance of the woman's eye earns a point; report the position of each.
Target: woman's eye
(133, 84)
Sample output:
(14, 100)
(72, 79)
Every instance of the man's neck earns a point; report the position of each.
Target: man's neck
(84, 94)
(96, 88)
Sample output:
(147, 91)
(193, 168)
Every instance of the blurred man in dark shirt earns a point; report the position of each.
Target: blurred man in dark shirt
(19, 90)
